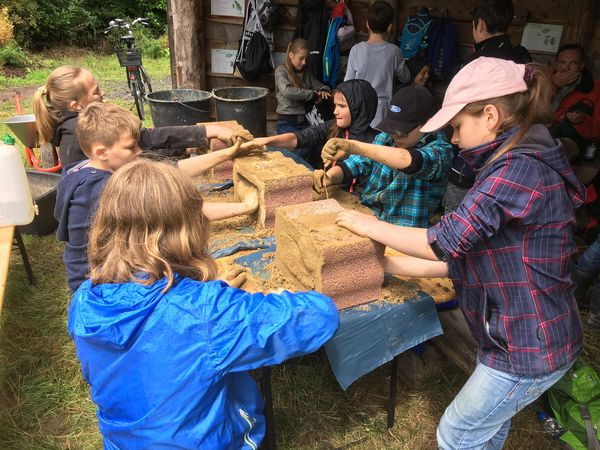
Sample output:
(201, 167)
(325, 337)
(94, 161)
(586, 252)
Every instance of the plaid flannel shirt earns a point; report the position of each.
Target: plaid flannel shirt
(509, 248)
(400, 198)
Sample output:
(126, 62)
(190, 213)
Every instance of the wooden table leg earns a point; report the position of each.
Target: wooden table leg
(391, 409)
(270, 442)
(24, 257)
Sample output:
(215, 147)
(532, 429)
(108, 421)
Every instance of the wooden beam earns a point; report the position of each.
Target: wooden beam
(580, 22)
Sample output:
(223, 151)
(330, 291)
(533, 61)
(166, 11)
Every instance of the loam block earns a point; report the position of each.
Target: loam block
(319, 255)
(280, 181)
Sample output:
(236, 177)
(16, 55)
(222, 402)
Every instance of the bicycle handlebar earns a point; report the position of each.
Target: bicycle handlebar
(120, 23)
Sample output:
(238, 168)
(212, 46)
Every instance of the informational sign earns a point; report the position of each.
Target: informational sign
(222, 60)
(541, 37)
(233, 8)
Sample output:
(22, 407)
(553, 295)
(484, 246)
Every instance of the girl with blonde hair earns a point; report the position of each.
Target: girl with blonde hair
(166, 347)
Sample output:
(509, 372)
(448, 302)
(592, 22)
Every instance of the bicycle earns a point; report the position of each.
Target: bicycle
(131, 58)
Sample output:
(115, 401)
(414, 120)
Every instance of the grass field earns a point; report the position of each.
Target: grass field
(44, 402)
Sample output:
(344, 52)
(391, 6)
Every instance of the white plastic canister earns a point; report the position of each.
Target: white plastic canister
(16, 204)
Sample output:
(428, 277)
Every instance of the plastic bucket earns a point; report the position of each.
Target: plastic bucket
(246, 104)
(179, 107)
(23, 127)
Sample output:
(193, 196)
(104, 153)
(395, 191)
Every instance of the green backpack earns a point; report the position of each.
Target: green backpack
(575, 402)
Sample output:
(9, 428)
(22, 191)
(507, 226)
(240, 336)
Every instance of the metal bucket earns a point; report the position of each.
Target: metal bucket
(179, 107)
(246, 104)
(23, 127)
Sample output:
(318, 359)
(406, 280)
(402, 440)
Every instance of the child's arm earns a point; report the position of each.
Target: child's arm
(285, 140)
(227, 134)
(408, 240)
(322, 179)
(201, 163)
(409, 266)
(219, 211)
(285, 86)
(402, 72)
(337, 148)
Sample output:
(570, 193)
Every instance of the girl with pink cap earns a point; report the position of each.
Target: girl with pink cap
(508, 247)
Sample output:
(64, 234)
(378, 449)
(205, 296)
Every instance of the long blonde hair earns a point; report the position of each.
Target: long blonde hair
(149, 225)
(63, 86)
(294, 47)
(521, 109)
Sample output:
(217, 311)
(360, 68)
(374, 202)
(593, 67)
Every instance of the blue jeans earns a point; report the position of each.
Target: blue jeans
(479, 416)
(589, 260)
(284, 126)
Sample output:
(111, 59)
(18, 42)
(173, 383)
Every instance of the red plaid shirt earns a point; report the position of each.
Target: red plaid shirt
(509, 248)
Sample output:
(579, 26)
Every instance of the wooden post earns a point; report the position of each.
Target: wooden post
(580, 22)
(186, 42)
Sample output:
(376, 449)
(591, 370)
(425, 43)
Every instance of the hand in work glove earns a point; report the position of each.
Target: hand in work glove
(235, 276)
(239, 133)
(338, 148)
(321, 181)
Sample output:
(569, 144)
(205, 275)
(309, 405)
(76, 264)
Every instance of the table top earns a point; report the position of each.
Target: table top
(6, 240)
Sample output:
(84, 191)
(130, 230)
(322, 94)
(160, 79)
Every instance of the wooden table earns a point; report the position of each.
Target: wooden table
(6, 242)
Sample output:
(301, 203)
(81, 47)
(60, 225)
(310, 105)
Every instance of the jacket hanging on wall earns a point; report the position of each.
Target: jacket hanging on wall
(311, 24)
(254, 57)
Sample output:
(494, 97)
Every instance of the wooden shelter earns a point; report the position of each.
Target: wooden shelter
(198, 38)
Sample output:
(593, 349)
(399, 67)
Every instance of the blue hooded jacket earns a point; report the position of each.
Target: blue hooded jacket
(169, 370)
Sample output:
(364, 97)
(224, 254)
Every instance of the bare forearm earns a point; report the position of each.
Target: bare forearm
(214, 131)
(219, 211)
(335, 175)
(199, 164)
(285, 140)
(397, 158)
(408, 240)
(409, 266)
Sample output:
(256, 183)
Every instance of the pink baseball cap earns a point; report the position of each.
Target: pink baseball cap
(481, 79)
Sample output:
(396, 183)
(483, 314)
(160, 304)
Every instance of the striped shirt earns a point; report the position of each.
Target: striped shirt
(401, 198)
(509, 248)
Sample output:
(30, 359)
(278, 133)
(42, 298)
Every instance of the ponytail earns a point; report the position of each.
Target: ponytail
(62, 87)
(521, 109)
(294, 47)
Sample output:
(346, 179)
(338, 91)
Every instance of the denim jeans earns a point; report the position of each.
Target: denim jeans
(589, 260)
(479, 416)
(284, 126)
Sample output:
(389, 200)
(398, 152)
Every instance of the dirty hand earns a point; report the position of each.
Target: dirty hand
(338, 148)
(243, 134)
(246, 148)
(248, 194)
(321, 181)
(235, 276)
(356, 222)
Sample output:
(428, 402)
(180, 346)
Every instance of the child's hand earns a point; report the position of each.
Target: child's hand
(230, 136)
(356, 222)
(338, 148)
(248, 194)
(321, 181)
(235, 276)
(246, 148)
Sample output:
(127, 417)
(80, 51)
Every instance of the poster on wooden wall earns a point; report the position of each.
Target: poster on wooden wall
(222, 60)
(233, 8)
(541, 37)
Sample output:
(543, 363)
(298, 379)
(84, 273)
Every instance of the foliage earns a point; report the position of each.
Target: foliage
(6, 27)
(150, 46)
(42, 23)
(12, 55)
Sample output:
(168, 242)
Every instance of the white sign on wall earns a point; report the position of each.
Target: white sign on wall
(541, 37)
(222, 60)
(233, 8)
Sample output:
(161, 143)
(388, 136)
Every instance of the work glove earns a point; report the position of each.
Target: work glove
(321, 181)
(338, 148)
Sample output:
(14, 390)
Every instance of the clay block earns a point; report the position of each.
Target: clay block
(319, 255)
(279, 180)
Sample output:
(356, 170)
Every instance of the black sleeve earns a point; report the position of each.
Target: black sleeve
(347, 180)
(313, 136)
(416, 161)
(171, 141)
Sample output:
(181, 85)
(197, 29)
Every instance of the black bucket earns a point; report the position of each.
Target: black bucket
(179, 107)
(246, 104)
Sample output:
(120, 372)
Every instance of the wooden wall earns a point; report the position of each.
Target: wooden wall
(194, 32)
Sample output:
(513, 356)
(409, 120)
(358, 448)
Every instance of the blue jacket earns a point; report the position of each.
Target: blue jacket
(170, 370)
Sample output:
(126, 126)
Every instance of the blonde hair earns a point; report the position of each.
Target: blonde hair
(105, 123)
(294, 47)
(63, 86)
(521, 109)
(149, 225)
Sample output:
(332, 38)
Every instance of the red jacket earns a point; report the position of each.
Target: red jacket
(588, 91)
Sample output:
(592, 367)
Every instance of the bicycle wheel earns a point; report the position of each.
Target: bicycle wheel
(137, 93)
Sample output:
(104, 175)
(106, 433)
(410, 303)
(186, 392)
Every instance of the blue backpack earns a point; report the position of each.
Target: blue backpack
(442, 48)
(331, 53)
(414, 38)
